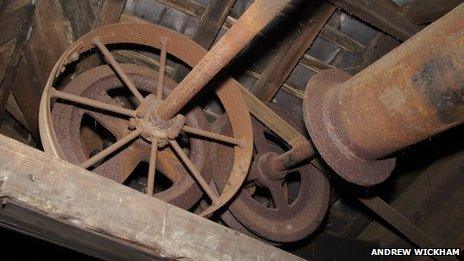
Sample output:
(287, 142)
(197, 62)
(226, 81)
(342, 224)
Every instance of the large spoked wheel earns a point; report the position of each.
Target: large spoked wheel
(278, 210)
(124, 99)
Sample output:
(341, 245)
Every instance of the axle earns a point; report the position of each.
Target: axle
(411, 94)
(255, 18)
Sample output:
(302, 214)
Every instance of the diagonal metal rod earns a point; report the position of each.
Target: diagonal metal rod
(211, 135)
(162, 69)
(193, 170)
(152, 167)
(54, 93)
(110, 59)
(117, 145)
(255, 18)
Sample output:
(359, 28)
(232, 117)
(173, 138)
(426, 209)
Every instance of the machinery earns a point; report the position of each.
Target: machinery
(272, 189)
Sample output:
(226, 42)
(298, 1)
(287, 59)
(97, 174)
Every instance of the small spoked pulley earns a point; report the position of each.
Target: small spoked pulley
(283, 199)
(118, 118)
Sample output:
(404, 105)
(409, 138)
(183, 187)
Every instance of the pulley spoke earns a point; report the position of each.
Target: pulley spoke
(114, 147)
(211, 135)
(91, 103)
(125, 160)
(193, 170)
(110, 59)
(152, 167)
(162, 69)
(278, 195)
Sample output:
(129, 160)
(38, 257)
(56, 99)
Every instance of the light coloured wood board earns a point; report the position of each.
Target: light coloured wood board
(73, 207)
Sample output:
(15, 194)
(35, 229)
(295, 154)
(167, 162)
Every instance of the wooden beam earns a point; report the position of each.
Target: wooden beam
(7, 82)
(51, 34)
(276, 124)
(399, 222)
(79, 14)
(130, 57)
(6, 51)
(189, 7)
(382, 14)
(290, 53)
(211, 21)
(8, 7)
(314, 64)
(11, 24)
(426, 11)
(60, 202)
(109, 13)
(192, 6)
(379, 45)
(342, 40)
(430, 203)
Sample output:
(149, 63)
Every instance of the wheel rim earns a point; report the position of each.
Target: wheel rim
(185, 50)
(263, 207)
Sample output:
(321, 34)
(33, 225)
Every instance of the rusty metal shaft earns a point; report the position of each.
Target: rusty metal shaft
(413, 93)
(300, 152)
(255, 18)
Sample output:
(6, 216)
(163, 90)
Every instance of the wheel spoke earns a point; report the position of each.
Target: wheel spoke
(162, 69)
(122, 164)
(110, 59)
(91, 103)
(278, 195)
(152, 167)
(170, 165)
(193, 170)
(118, 126)
(211, 135)
(104, 153)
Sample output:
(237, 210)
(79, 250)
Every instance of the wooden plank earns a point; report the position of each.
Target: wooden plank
(51, 34)
(314, 64)
(11, 24)
(128, 57)
(6, 50)
(80, 16)
(52, 194)
(290, 53)
(8, 7)
(380, 45)
(110, 12)
(382, 14)
(210, 23)
(194, 9)
(430, 203)
(340, 39)
(426, 11)
(7, 82)
(399, 222)
(279, 126)
(189, 7)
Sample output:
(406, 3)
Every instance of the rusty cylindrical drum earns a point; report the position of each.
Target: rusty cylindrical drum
(413, 93)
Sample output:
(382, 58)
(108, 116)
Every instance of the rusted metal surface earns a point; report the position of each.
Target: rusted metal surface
(274, 205)
(300, 152)
(95, 85)
(255, 18)
(146, 121)
(413, 93)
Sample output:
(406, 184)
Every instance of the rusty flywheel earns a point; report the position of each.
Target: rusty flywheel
(144, 115)
(275, 205)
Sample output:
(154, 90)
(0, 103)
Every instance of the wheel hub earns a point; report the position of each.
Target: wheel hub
(61, 107)
(274, 206)
(154, 128)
